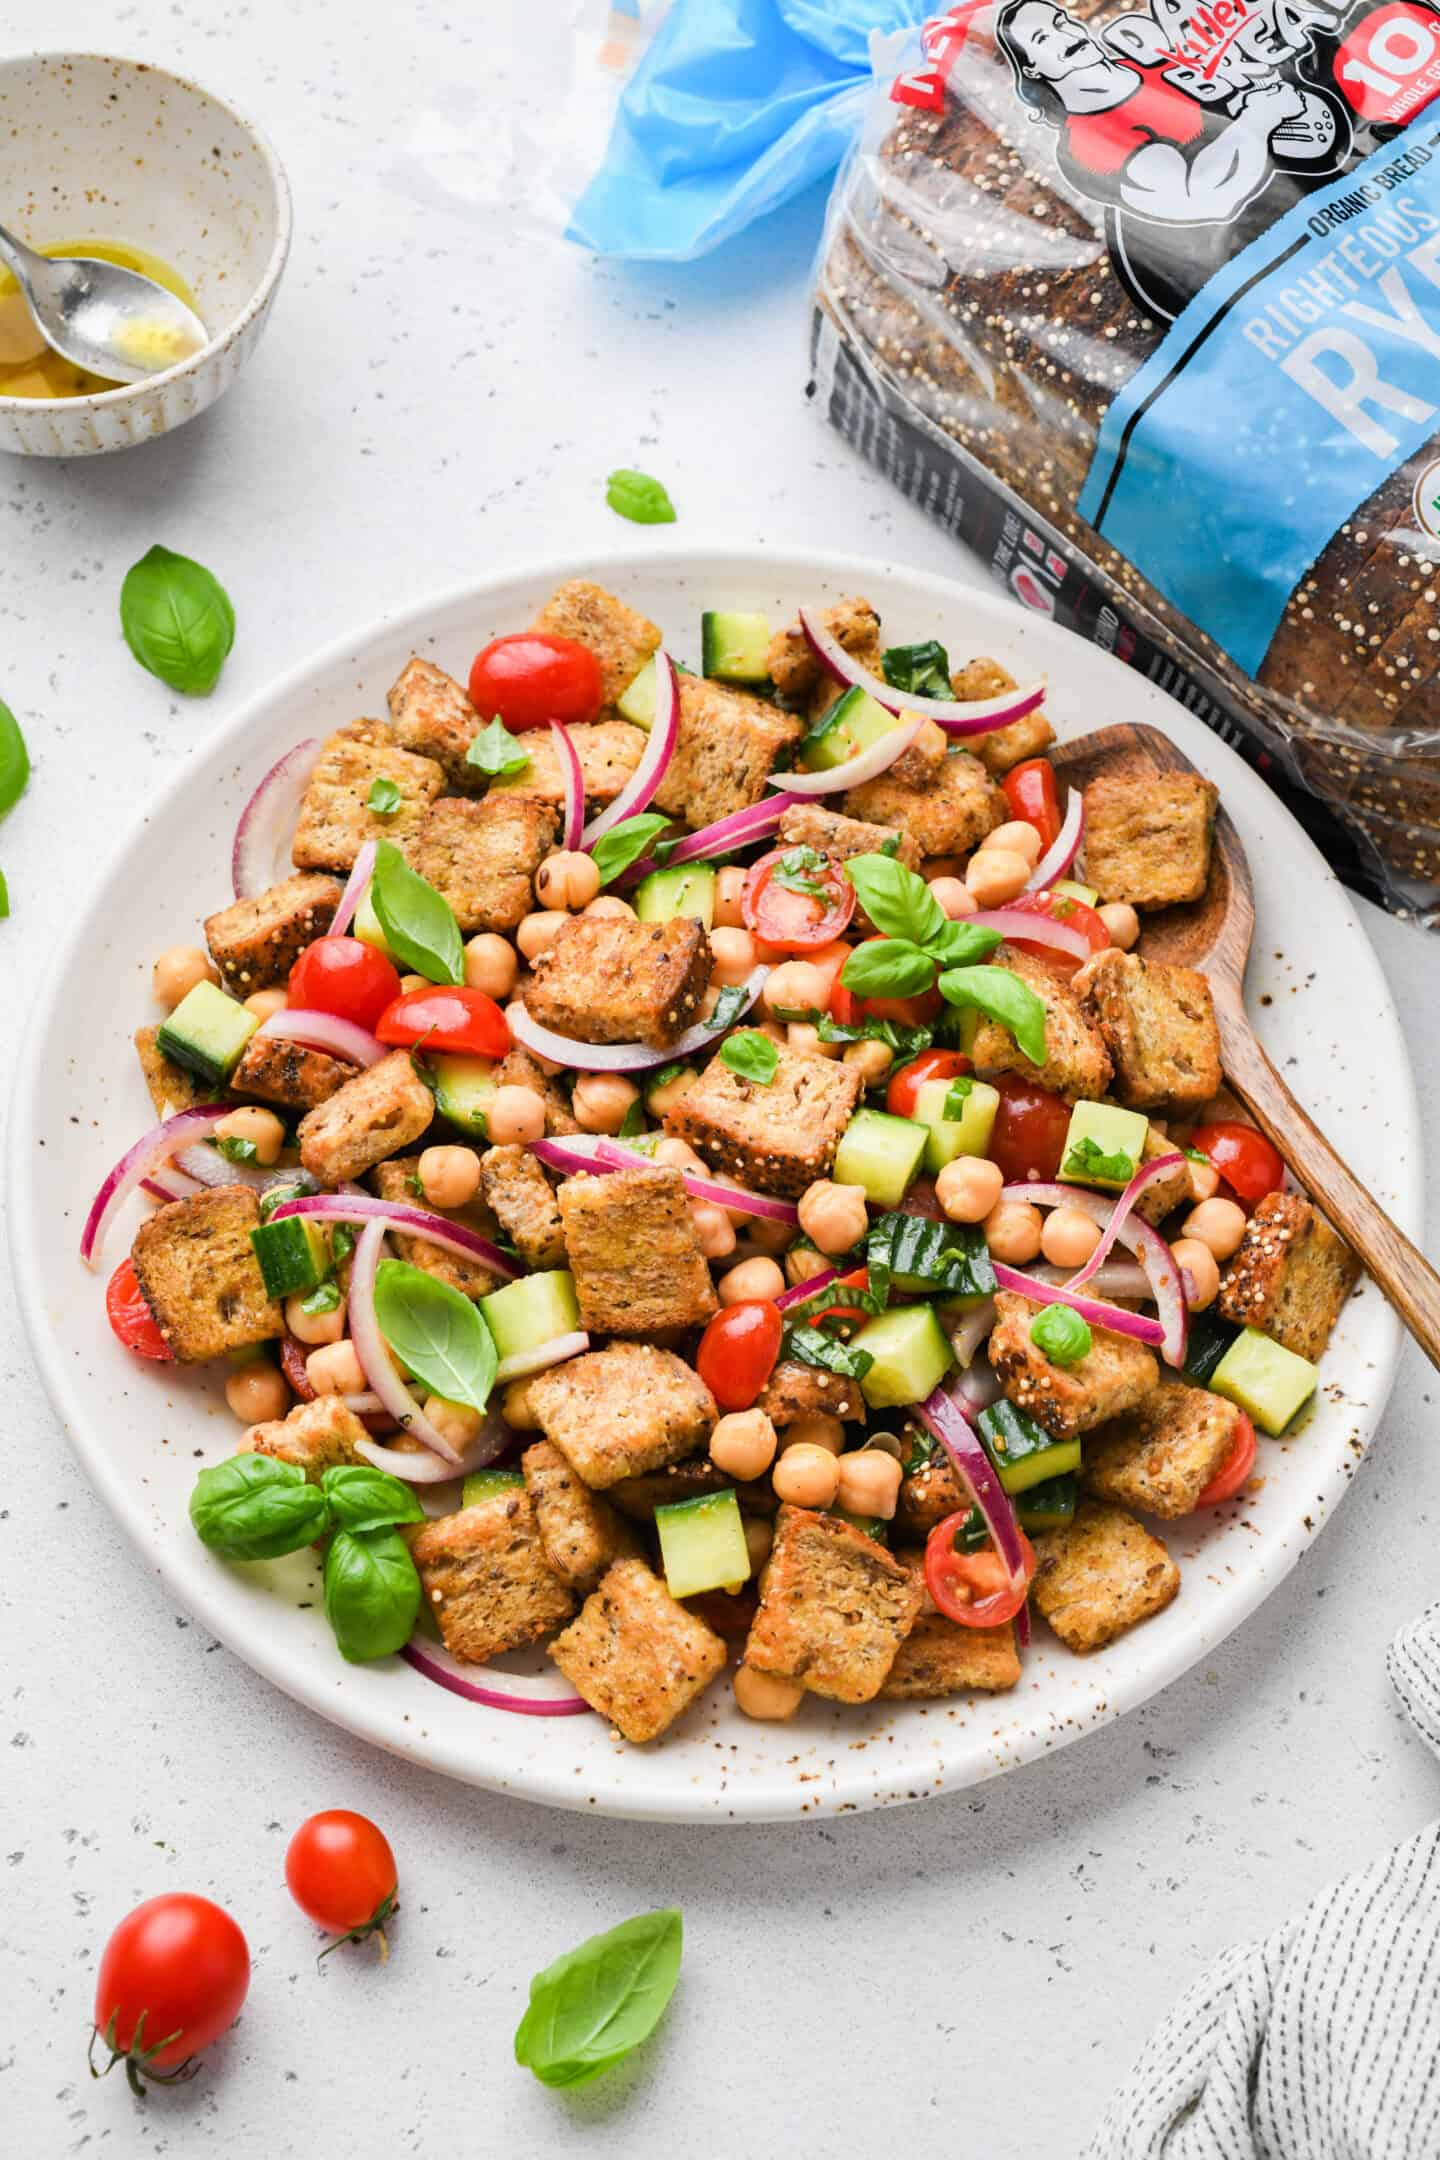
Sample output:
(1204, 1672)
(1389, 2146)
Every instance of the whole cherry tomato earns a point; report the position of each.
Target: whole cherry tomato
(532, 678)
(738, 1351)
(1028, 1138)
(1235, 1469)
(343, 976)
(1250, 1166)
(795, 903)
(131, 1318)
(1061, 908)
(930, 1065)
(847, 1008)
(172, 1978)
(1033, 797)
(342, 1875)
(973, 1588)
(466, 1022)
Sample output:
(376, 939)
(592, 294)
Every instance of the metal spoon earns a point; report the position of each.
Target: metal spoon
(110, 321)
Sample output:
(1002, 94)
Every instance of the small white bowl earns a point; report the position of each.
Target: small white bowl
(102, 149)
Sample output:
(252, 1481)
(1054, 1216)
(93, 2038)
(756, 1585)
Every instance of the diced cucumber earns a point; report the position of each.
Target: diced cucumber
(636, 702)
(1208, 1340)
(947, 1261)
(1103, 1130)
(294, 1255)
(365, 925)
(851, 725)
(734, 647)
(702, 1544)
(484, 1484)
(1085, 894)
(688, 889)
(464, 1087)
(880, 1152)
(1050, 1505)
(1023, 1453)
(910, 1355)
(533, 1311)
(871, 1526)
(207, 1032)
(969, 1134)
(1264, 1379)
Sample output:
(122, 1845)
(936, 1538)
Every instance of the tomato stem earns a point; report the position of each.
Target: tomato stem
(138, 2059)
(385, 1911)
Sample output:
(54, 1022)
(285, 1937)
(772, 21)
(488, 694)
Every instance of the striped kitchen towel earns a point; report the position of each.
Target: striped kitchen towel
(1323, 2041)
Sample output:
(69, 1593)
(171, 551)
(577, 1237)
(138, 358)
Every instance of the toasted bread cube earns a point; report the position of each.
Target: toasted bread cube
(927, 1496)
(634, 1252)
(315, 1437)
(482, 856)
(795, 1390)
(834, 1608)
(522, 1199)
(288, 1073)
(607, 978)
(808, 825)
(1100, 1575)
(777, 1137)
(172, 1089)
(638, 1497)
(635, 1655)
(725, 751)
(1077, 1064)
(1114, 1375)
(579, 1529)
(1175, 1189)
(432, 716)
(618, 1412)
(198, 1273)
(255, 943)
(398, 1178)
(518, 1069)
(1291, 1275)
(608, 750)
(939, 1657)
(948, 814)
(486, 1577)
(335, 818)
(1159, 1026)
(1160, 1456)
(1008, 746)
(621, 639)
(1147, 840)
(376, 1114)
(794, 669)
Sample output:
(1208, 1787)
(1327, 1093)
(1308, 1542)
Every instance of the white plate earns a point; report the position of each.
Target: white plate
(1317, 996)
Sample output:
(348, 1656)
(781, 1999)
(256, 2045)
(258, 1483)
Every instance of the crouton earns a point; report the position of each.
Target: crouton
(927, 1496)
(808, 825)
(275, 1071)
(486, 1577)
(255, 943)
(776, 1136)
(1114, 1375)
(198, 1273)
(1147, 839)
(1099, 1575)
(316, 1436)
(618, 1412)
(608, 978)
(794, 669)
(521, 1197)
(482, 856)
(1175, 1189)
(579, 1529)
(1160, 1456)
(374, 1115)
(398, 1178)
(1291, 1275)
(621, 640)
(939, 1657)
(638, 1497)
(1159, 1027)
(1077, 1064)
(431, 716)
(834, 1608)
(725, 751)
(634, 1252)
(518, 1069)
(951, 813)
(335, 817)
(609, 752)
(635, 1655)
(171, 1088)
(1004, 747)
(795, 1390)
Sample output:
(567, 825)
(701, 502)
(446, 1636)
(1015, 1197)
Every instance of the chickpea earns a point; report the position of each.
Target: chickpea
(956, 900)
(335, 1369)
(491, 965)
(1200, 1264)
(1012, 1232)
(775, 1029)
(314, 1328)
(266, 1003)
(752, 1279)
(1068, 1237)
(969, 1188)
(414, 982)
(801, 1036)
(729, 887)
(995, 875)
(869, 1483)
(795, 986)
(449, 1176)
(610, 904)
(673, 1153)
(732, 954)
(516, 1116)
(177, 971)
(537, 933)
(714, 1231)
(1122, 922)
(771, 1237)
(1220, 1224)
(938, 866)
(801, 1263)
(567, 879)
(872, 1059)
(257, 1394)
(261, 1128)
(759, 1537)
(517, 1409)
(817, 1430)
(833, 1216)
(761, 1695)
(602, 1101)
(806, 1476)
(660, 1101)
(743, 1444)
(1204, 1181)
(1017, 837)
(455, 1422)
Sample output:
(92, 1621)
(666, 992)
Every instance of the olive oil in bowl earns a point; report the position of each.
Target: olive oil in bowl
(28, 366)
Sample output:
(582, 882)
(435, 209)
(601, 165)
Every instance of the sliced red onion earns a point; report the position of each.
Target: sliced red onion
(1063, 849)
(447, 1672)
(707, 1188)
(976, 1324)
(865, 765)
(150, 1152)
(948, 1420)
(574, 818)
(1148, 1174)
(166, 1185)
(1039, 929)
(373, 1352)
(208, 1167)
(618, 1057)
(1136, 1235)
(756, 822)
(364, 1405)
(452, 1237)
(805, 1290)
(1138, 1326)
(425, 1468)
(269, 815)
(542, 1357)
(978, 1385)
(976, 716)
(354, 892)
(324, 1031)
(1117, 1279)
(638, 790)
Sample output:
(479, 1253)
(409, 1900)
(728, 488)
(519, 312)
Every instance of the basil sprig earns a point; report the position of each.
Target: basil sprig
(14, 761)
(496, 751)
(255, 1507)
(437, 1334)
(594, 2005)
(924, 670)
(625, 843)
(177, 620)
(635, 495)
(372, 1592)
(418, 922)
(1088, 1161)
(808, 1346)
(750, 1055)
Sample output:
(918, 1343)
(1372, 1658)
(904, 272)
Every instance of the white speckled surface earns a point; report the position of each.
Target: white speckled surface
(837, 1973)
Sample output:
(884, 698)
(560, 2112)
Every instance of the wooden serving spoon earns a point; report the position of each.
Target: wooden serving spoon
(1214, 935)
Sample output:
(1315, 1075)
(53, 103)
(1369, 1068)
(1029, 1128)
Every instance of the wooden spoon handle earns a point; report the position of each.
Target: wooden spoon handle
(1400, 1268)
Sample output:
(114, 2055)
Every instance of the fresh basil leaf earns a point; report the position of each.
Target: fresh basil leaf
(255, 1507)
(835, 1297)
(751, 1055)
(635, 495)
(436, 1333)
(235, 1149)
(921, 1451)
(1194, 1154)
(625, 843)
(324, 1298)
(299, 1187)
(14, 761)
(1001, 995)
(177, 620)
(4, 898)
(372, 1592)
(963, 944)
(633, 1122)
(1061, 1334)
(595, 2004)
(364, 1498)
(418, 923)
(825, 1352)
(956, 1096)
(342, 1243)
(1088, 1160)
(384, 797)
(906, 1042)
(924, 670)
(792, 873)
(733, 1000)
(494, 750)
(973, 1534)
(890, 846)
(888, 967)
(662, 1078)
(899, 903)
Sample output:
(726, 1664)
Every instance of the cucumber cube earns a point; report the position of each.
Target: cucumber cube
(294, 1255)
(969, 1134)
(1103, 1134)
(735, 647)
(882, 1153)
(1048, 1506)
(463, 1090)
(636, 702)
(365, 925)
(1264, 1379)
(482, 1484)
(702, 1544)
(910, 1355)
(207, 1032)
(1023, 1453)
(1085, 894)
(689, 889)
(533, 1311)
(851, 725)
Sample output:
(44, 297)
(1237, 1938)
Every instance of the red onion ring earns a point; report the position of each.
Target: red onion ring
(1015, 923)
(1114, 1317)
(1136, 1235)
(979, 1385)
(574, 787)
(452, 1237)
(150, 1152)
(805, 1290)
(1063, 849)
(343, 1039)
(272, 808)
(976, 1324)
(492, 1439)
(756, 822)
(438, 1665)
(554, 1352)
(373, 1351)
(597, 1156)
(619, 1057)
(638, 790)
(865, 765)
(976, 716)
(949, 1423)
(354, 892)
(1147, 1175)
(167, 1185)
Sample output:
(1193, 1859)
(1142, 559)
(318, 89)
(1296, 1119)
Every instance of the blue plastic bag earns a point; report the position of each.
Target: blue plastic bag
(736, 106)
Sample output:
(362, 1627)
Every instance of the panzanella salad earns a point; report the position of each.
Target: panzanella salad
(686, 1165)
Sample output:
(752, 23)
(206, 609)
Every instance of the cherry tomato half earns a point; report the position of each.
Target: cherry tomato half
(343, 976)
(131, 1318)
(1250, 1166)
(533, 678)
(738, 1351)
(1033, 796)
(795, 904)
(172, 1979)
(342, 1875)
(1235, 1469)
(1028, 1138)
(1060, 907)
(464, 1021)
(973, 1588)
(930, 1065)
(847, 1008)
